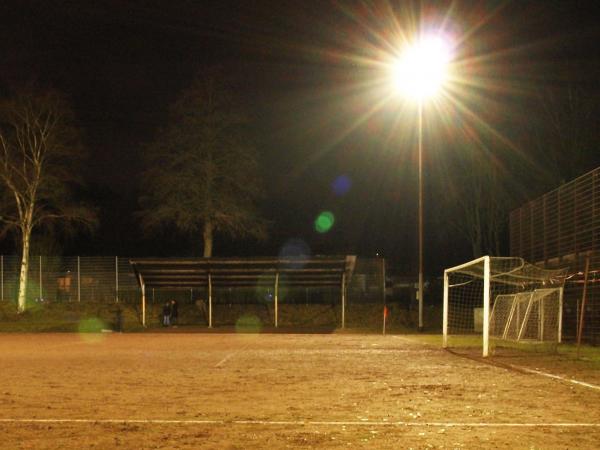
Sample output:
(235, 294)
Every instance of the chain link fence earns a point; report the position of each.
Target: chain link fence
(110, 280)
(70, 279)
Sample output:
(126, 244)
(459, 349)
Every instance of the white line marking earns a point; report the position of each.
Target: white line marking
(314, 423)
(558, 377)
(224, 360)
(525, 369)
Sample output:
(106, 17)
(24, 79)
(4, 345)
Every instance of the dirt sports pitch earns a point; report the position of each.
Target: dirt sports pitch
(239, 391)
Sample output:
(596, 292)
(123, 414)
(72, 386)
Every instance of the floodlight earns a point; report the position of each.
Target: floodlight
(422, 68)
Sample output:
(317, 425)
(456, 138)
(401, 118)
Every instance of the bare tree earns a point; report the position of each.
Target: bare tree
(39, 153)
(563, 137)
(202, 172)
(477, 198)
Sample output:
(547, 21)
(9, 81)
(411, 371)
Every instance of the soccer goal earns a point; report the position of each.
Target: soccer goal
(503, 299)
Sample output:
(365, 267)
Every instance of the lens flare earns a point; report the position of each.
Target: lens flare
(248, 324)
(341, 185)
(294, 248)
(90, 329)
(324, 222)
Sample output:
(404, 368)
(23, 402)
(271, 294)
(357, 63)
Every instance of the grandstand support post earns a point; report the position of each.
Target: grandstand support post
(79, 279)
(486, 306)
(116, 279)
(276, 299)
(560, 312)
(209, 301)
(143, 303)
(583, 299)
(343, 289)
(445, 314)
(41, 280)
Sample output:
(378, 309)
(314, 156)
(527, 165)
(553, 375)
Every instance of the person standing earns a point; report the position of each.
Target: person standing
(174, 312)
(166, 314)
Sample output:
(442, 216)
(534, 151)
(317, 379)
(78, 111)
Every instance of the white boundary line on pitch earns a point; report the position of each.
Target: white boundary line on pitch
(230, 355)
(558, 377)
(312, 422)
(525, 369)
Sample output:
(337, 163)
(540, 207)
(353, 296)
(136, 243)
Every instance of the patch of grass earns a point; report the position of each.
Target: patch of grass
(453, 341)
(66, 317)
(587, 352)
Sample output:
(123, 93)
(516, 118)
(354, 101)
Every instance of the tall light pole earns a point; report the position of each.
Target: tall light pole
(419, 74)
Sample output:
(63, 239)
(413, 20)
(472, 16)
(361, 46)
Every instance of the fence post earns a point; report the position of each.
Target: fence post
(2, 274)
(343, 292)
(116, 279)
(583, 298)
(209, 301)
(383, 279)
(276, 299)
(79, 279)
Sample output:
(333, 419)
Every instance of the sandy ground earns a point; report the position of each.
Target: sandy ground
(239, 391)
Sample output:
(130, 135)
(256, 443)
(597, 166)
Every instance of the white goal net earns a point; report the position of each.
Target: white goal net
(504, 299)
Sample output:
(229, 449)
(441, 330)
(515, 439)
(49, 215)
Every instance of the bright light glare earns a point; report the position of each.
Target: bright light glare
(422, 68)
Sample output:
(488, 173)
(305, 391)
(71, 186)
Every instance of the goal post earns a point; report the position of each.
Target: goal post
(501, 298)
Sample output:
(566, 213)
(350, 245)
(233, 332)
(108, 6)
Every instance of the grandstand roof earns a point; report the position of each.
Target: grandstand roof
(187, 273)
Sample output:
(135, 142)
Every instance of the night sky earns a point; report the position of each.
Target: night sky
(304, 70)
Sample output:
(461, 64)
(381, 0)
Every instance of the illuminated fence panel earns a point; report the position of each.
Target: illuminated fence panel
(574, 298)
(559, 225)
(367, 282)
(97, 278)
(562, 229)
(9, 281)
(127, 287)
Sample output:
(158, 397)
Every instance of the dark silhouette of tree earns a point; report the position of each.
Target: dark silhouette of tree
(563, 133)
(202, 171)
(553, 140)
(479, 198)
(40, 151)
